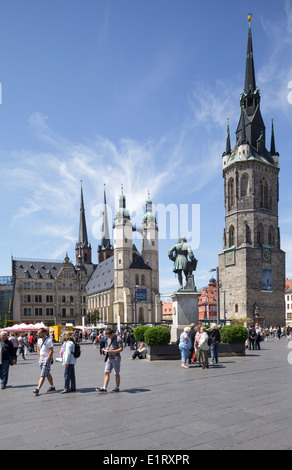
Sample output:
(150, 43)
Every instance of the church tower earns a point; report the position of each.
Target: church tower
(252, 264)
(149, 245)
(105, 249)
(123, 255)
(83, 247)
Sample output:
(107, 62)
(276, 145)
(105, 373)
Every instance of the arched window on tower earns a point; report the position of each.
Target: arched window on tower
(271, 236)
(231, 236)
(260, 234)
(244, 185)
(265, 193)
(230, 193)
(137, 280)
(247, 234)
(142, 280)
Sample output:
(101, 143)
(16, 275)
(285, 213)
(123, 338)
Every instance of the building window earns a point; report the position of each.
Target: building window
(137, 280)
(230, 194)
(63, 312)
(71, 299)
(63, 299)
(27, 312)
(26, 298)
(49, 299)
(26, 285)
(49, 285)
(236, 308)
(49, 311)
(244, 185)
(265, 202)
(38, 311)
(143, 280)
(38, 285)
(38, 298)
(231, 235)
(260, 234)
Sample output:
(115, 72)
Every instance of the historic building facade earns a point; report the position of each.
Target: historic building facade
(252, 264)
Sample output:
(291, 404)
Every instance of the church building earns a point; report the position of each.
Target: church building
(252, 263)
(125, 283)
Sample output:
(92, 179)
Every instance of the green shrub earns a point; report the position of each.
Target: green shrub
(157, 336)
(139, 332)
(233, 334)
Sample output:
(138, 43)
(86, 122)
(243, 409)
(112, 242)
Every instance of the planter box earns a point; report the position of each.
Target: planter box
(160, 353)
(172, 352)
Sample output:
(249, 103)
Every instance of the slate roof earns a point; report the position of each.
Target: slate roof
(36, 269)
(102, 278)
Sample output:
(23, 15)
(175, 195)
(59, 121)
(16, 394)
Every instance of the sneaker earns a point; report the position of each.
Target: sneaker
(101, 389)
(36, 391)
(65, 391)
(51, 389)
(115, 390)
(3, 387)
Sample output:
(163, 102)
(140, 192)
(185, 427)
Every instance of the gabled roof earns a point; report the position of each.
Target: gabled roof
(102, 278)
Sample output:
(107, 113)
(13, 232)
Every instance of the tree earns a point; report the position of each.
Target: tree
(93, 318)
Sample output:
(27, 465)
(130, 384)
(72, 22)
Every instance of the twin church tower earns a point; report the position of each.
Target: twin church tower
(252, 264)
(125, 283)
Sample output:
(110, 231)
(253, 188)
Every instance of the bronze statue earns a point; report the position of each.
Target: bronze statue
(180, 253)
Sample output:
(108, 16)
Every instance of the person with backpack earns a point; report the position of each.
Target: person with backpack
(204, 347)
(69, 361)
(102, 343)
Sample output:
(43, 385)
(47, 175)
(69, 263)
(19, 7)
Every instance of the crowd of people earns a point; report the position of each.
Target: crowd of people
(196, 344)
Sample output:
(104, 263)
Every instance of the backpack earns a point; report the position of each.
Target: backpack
(77, 350)
(209, 341)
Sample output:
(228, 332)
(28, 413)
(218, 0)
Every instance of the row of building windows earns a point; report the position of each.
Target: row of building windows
(260, 235)
(39, 311)
(49, 286)
(265, 195)
(50, 299)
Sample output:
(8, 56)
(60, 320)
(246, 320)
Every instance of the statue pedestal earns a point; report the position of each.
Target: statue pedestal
(185, 311)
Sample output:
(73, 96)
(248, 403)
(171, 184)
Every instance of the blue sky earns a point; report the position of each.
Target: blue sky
(134, 93)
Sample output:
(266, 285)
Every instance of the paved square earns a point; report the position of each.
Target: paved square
(242, 403)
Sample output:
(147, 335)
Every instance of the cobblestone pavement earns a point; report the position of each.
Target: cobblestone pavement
(241, 403)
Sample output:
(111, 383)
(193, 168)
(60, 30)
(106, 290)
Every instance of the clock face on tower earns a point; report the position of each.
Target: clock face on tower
(266, 254)
(229, 258)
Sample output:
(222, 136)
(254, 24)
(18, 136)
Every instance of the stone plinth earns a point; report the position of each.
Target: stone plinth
(185, 311)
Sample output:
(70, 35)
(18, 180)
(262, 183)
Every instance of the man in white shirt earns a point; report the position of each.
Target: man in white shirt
(45, 355)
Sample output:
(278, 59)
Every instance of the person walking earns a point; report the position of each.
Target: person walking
(45, 351)
(14, 341)
(184, 346)
(6, 358)
(112, 360)
(257, 341)
(132, 340)
(102, 343)
(204, 347)
(196, 344)
(31, 342)
(251, 337)
(192, 334)
(214, 334)
(21, 345)
(69, 362)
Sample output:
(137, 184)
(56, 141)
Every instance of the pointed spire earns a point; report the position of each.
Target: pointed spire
(228, 143)
(83, 239)
(273, 146)
(250, 82)
(105, 237)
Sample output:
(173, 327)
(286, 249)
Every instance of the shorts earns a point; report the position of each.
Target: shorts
(113, 363)
(45, 368)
